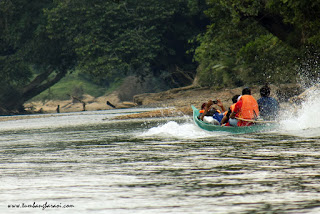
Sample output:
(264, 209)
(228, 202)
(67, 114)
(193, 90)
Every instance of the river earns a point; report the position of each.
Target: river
(86, 162)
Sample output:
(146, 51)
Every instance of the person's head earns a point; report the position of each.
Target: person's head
(246, 91)
(235, 98)
(265, 91)
(203, 105)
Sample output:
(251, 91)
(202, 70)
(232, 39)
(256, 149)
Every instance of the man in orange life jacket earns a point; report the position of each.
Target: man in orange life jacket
(245, 109)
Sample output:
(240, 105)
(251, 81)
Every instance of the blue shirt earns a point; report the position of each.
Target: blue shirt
(268, 108)
(218, 116)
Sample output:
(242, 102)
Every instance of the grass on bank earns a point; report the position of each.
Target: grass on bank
(76, 85)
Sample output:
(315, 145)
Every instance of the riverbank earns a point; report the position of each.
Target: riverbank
(176, 101)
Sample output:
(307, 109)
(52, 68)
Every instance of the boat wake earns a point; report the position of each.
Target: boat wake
(173, 129)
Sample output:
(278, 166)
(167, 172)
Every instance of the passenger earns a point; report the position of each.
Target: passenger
(210, 114)
(245, 110)
(226, 117)
(202, 108)
(268, 106)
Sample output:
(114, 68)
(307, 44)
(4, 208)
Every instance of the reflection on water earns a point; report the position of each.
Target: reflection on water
(166, 165)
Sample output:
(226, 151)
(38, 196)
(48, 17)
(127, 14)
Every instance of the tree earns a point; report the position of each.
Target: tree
(220, 45)
(295, 22)
(30, 61)
(139, 37)
(257, 41)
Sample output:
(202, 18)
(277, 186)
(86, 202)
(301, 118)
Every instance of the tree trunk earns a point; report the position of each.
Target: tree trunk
(40, 84)
(15, 100)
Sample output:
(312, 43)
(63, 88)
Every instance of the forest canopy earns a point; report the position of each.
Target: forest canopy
(222, 43)
(258, 41)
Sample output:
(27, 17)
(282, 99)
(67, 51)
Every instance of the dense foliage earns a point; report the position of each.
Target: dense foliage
(110, 39)
(41, 41)
(257, 41)
(30, 62)
(225, 43)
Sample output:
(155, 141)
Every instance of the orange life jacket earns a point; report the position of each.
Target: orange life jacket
(249, 109)
(231, 108)
(202, 111)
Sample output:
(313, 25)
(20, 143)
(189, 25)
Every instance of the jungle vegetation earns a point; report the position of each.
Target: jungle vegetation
(220, 43)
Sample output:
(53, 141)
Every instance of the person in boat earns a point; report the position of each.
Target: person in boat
(268, 106)
(227, 114)
(245, 111)
(210, 114)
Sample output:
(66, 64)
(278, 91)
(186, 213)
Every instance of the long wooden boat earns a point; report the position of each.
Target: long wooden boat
(238, 130)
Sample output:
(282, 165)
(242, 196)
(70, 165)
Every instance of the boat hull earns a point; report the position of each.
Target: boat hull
(236, 130)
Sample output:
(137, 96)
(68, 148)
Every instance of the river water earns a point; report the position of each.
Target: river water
(88, 163)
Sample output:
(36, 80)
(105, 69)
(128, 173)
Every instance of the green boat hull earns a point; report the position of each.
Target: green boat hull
(236, 130)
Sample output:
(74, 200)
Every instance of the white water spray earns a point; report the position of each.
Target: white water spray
(173, 129)
(305, 116)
